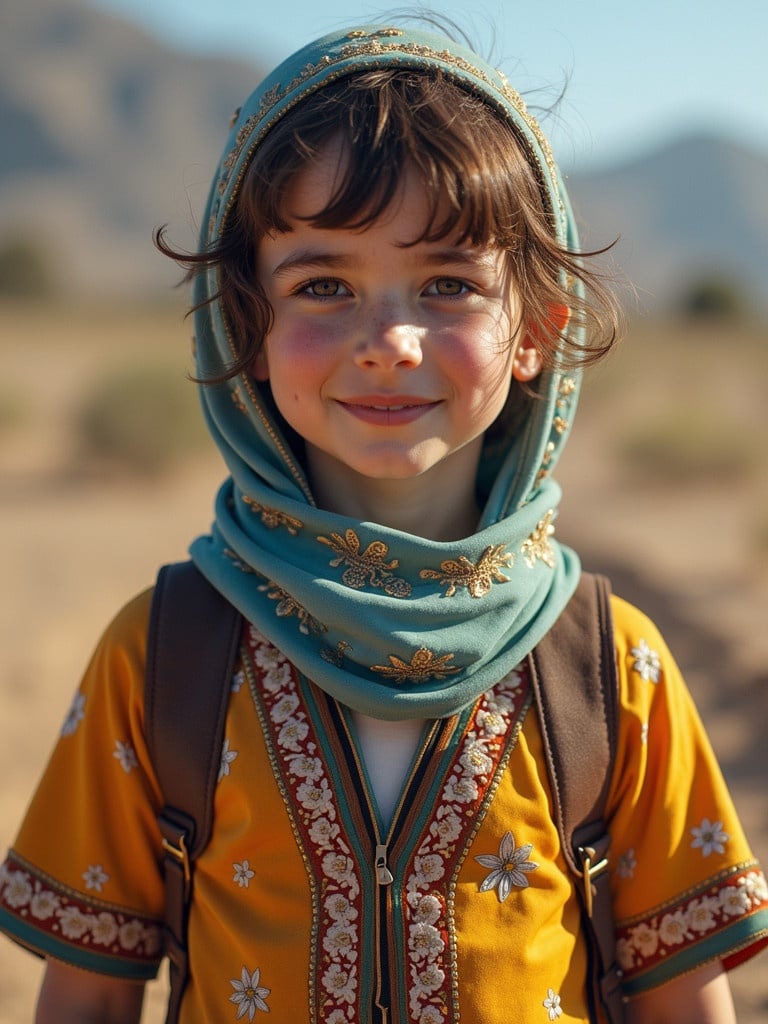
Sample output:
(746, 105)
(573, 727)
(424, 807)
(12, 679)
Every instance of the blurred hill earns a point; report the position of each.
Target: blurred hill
(105, 133)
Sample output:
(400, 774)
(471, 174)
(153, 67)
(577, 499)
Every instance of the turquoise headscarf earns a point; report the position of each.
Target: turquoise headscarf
(393, 625)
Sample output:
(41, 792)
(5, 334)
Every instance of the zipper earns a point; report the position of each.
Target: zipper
(383, 877)
(384, 880)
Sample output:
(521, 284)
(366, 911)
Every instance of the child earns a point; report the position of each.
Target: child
(391, 321)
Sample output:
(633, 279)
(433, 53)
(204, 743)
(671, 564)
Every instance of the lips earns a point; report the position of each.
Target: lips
(389, 410)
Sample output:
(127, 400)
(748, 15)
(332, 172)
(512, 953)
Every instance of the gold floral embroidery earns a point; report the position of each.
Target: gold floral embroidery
(538, 546)
(560, 424)
(424, 665)
(367, 567)
(272, 518)
(238, 562)
(287, 605)
(477, 578)
(336, 657)
(364, 47)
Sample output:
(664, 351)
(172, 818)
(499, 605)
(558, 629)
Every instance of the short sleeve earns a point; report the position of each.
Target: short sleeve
(82, 883)
(686, 887)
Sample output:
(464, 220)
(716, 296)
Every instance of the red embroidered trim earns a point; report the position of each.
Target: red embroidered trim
(644, 944)
(59, 912)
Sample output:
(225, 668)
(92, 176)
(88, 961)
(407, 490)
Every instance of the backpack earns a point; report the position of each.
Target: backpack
(192, 646)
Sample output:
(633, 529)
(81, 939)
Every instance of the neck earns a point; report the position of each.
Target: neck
(437, 505)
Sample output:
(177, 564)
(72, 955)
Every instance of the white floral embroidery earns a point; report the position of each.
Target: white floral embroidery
(625, 954)
(249, 996)
(673, 929)
(755, 886)
(130, 934)
(243, 874)
(318, 815)
(709, 836)
(701, 913)
(18, 891)
(691, 921)
(425, 906)
(74, 923)
(99, 927)
(227, 757)
(339, 908)
(626, 865)
(238, 679)
(337, 1017)
(95, 877)
(293, 733)
(322, 832)
(647, 662)
(645, 939)
(126, 755)
(74, 716)
(44, 904)
(104, 929)
(734, 902)
(306, 767)
(341, 940)
(340, 982)
(552, 1005)
(284, 708)
(508, 869)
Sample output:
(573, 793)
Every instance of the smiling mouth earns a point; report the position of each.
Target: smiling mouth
(388, 413)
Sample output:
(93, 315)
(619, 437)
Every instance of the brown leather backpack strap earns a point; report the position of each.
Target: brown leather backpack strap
(192, 646)
(573, 670)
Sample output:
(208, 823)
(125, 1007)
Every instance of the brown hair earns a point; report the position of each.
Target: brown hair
(481, 188)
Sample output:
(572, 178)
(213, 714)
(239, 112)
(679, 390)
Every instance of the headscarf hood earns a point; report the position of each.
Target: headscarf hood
(391, 624)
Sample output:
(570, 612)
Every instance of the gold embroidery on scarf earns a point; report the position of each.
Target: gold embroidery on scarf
(237, 398)
(336, 657)
(238, 562)
(365, 47)
(424, 665)
(288, 606)
(538, 545)
(272, 517)
(366, 568)
(560, 424)
(477, 578)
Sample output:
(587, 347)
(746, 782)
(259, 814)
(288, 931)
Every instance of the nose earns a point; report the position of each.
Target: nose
(388, 339)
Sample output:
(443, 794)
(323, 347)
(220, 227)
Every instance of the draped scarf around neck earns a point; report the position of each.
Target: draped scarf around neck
(393, 625)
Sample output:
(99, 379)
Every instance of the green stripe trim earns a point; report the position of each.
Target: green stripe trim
(42, 944)
(725, 943)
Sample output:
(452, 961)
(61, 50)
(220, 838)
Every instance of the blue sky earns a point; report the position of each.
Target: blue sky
(638, 73)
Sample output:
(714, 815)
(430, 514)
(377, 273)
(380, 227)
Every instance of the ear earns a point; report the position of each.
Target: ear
(260, 364)
(528, 361)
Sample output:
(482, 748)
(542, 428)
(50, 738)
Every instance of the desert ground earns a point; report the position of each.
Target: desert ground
(680, 526)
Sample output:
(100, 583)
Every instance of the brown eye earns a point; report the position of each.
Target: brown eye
(324, 289)
(448, 286)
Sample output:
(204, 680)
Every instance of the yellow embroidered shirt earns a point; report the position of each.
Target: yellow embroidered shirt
(308, 906)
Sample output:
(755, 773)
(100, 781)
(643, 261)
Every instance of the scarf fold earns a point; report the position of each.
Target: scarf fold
(393, 625)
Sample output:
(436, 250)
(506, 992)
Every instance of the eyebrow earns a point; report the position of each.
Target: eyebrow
(317, 259)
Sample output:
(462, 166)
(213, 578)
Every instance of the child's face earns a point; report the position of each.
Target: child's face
(390, 361)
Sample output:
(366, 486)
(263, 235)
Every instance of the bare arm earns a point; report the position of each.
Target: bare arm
(71, 996)
(703, 997)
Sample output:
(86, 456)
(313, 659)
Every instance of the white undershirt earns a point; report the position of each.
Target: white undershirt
(388, 749)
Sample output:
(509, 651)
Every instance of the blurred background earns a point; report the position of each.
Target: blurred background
(112, 117)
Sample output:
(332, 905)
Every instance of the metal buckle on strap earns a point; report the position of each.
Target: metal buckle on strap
(589, 871)
(180, 854)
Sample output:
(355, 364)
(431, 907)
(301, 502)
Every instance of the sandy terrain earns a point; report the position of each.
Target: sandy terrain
(75, 545)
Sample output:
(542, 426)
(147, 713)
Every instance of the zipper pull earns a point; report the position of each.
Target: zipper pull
(383, 875)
